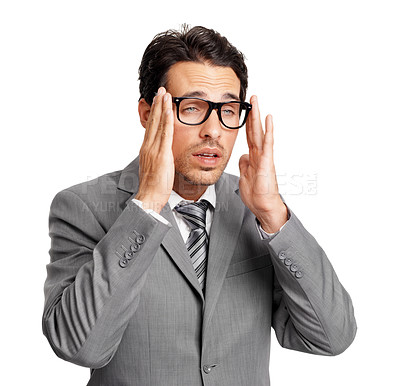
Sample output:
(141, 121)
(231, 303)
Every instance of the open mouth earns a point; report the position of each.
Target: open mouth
(206, 155)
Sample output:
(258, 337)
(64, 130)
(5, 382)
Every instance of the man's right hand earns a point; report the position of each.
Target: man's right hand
(157, 171)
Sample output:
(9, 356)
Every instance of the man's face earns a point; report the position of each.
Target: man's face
(202, 152)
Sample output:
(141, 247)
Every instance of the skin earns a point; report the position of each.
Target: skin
(168, 158)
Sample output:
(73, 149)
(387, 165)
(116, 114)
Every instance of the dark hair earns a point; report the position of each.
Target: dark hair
(197, 44)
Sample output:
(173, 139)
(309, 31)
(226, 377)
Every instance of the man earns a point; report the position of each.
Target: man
(146, 290)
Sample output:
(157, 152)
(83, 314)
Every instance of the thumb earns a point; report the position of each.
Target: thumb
(243, 164)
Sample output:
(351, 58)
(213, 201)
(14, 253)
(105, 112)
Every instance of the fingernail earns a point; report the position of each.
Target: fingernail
(159, 91)
(166, 96)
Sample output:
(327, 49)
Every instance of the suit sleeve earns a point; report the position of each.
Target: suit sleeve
(94, 277)
(313, 312)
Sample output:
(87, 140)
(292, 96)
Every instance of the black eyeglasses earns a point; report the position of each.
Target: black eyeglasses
(195, 111)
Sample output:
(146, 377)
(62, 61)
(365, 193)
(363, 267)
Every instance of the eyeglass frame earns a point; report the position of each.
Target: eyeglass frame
(213, 106)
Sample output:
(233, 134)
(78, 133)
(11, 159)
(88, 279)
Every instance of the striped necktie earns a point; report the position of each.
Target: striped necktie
(197, 243)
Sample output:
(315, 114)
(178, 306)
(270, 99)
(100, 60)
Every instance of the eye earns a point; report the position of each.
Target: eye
(193, 106)
(229, 110)
(190, 109)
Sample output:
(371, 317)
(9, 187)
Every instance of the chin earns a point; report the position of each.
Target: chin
(190, 173)
(204, 177)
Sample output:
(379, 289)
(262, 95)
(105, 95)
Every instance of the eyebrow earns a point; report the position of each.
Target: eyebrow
(202, 94)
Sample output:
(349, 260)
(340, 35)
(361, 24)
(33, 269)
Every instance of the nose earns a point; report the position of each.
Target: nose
(212, 127)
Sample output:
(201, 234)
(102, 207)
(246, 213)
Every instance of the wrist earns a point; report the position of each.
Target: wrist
(152, 203)
(273, 220)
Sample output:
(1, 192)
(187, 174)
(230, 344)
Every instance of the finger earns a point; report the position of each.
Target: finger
(166, 127)
(243, 164)
(154, 116)
(254, 129)
(269, 137)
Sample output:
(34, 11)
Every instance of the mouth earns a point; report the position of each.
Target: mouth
(208, 157)
(208, 153)
(205, 155)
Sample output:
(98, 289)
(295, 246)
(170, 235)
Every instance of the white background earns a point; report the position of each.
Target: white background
(327, 71)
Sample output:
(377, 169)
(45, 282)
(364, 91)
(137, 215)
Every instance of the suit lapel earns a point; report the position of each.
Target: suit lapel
(173, 242)
(225, 228)
(176, 248)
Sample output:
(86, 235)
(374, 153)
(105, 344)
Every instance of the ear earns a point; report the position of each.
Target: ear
(144, 112)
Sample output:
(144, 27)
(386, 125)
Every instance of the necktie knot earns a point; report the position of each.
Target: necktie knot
(194, 213)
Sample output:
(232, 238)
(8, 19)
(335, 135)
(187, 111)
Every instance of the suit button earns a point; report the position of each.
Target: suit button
(140, 239)
(282, 255)
(123, 262)
(299, 274)
(288, 261)
(294, 268)
(135, 247)
(207, 369)
(128, 255)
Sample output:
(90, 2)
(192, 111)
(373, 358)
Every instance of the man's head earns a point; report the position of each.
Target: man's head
(197, 63)
(197, 44)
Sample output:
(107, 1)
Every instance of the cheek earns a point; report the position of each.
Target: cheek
(230, 141)
(180, 142)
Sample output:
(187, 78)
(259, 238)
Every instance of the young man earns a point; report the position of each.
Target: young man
(146, 290)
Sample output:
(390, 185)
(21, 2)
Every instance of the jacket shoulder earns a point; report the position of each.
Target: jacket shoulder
(102, 183)
(102, 188)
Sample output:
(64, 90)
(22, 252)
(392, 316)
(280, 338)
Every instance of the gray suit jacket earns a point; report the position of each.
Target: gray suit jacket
(122, 297)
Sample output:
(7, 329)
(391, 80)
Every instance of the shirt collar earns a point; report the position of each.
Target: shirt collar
(209, 195)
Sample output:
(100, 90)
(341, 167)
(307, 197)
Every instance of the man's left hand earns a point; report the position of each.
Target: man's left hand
(258, 184)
